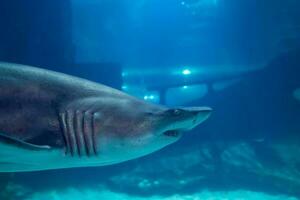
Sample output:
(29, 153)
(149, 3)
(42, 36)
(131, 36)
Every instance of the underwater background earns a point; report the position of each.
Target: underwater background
(240, 57)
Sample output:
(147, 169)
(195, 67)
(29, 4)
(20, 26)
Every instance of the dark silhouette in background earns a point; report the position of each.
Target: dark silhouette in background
(40, 34)
(37, 33)
(260, 106)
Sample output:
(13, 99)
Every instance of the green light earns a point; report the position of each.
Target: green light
(186, 72)
(149, 97)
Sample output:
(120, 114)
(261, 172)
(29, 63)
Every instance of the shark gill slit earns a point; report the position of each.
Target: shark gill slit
(78, 132)
(82, 133)
(94, 139)
(71, 133)
(87, 132)
(62, 120)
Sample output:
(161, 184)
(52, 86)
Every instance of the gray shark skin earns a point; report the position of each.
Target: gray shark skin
(50, 120)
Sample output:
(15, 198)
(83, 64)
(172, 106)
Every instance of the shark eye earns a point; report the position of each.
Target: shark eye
(176, 112)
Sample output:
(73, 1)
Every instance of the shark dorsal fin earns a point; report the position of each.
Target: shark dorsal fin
(12, 143)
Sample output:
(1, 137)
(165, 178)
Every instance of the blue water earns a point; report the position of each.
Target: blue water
(241, 58)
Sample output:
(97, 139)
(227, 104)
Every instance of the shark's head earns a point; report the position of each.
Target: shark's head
(173, 122)
(141, 129)
(170, 124)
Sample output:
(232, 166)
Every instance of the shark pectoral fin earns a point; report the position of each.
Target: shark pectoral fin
(17, 155)
(9, 143)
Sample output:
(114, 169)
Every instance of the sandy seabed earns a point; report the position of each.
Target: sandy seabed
(90, 194)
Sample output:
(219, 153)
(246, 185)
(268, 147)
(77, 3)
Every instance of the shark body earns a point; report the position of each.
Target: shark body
(50, 120)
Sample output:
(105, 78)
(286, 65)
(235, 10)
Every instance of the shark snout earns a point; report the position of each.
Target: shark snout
(186, 119)
(199, 115)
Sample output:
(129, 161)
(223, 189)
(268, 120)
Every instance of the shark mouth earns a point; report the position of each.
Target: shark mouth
(172, 133)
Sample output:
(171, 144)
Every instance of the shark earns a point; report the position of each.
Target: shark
(50, 120)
